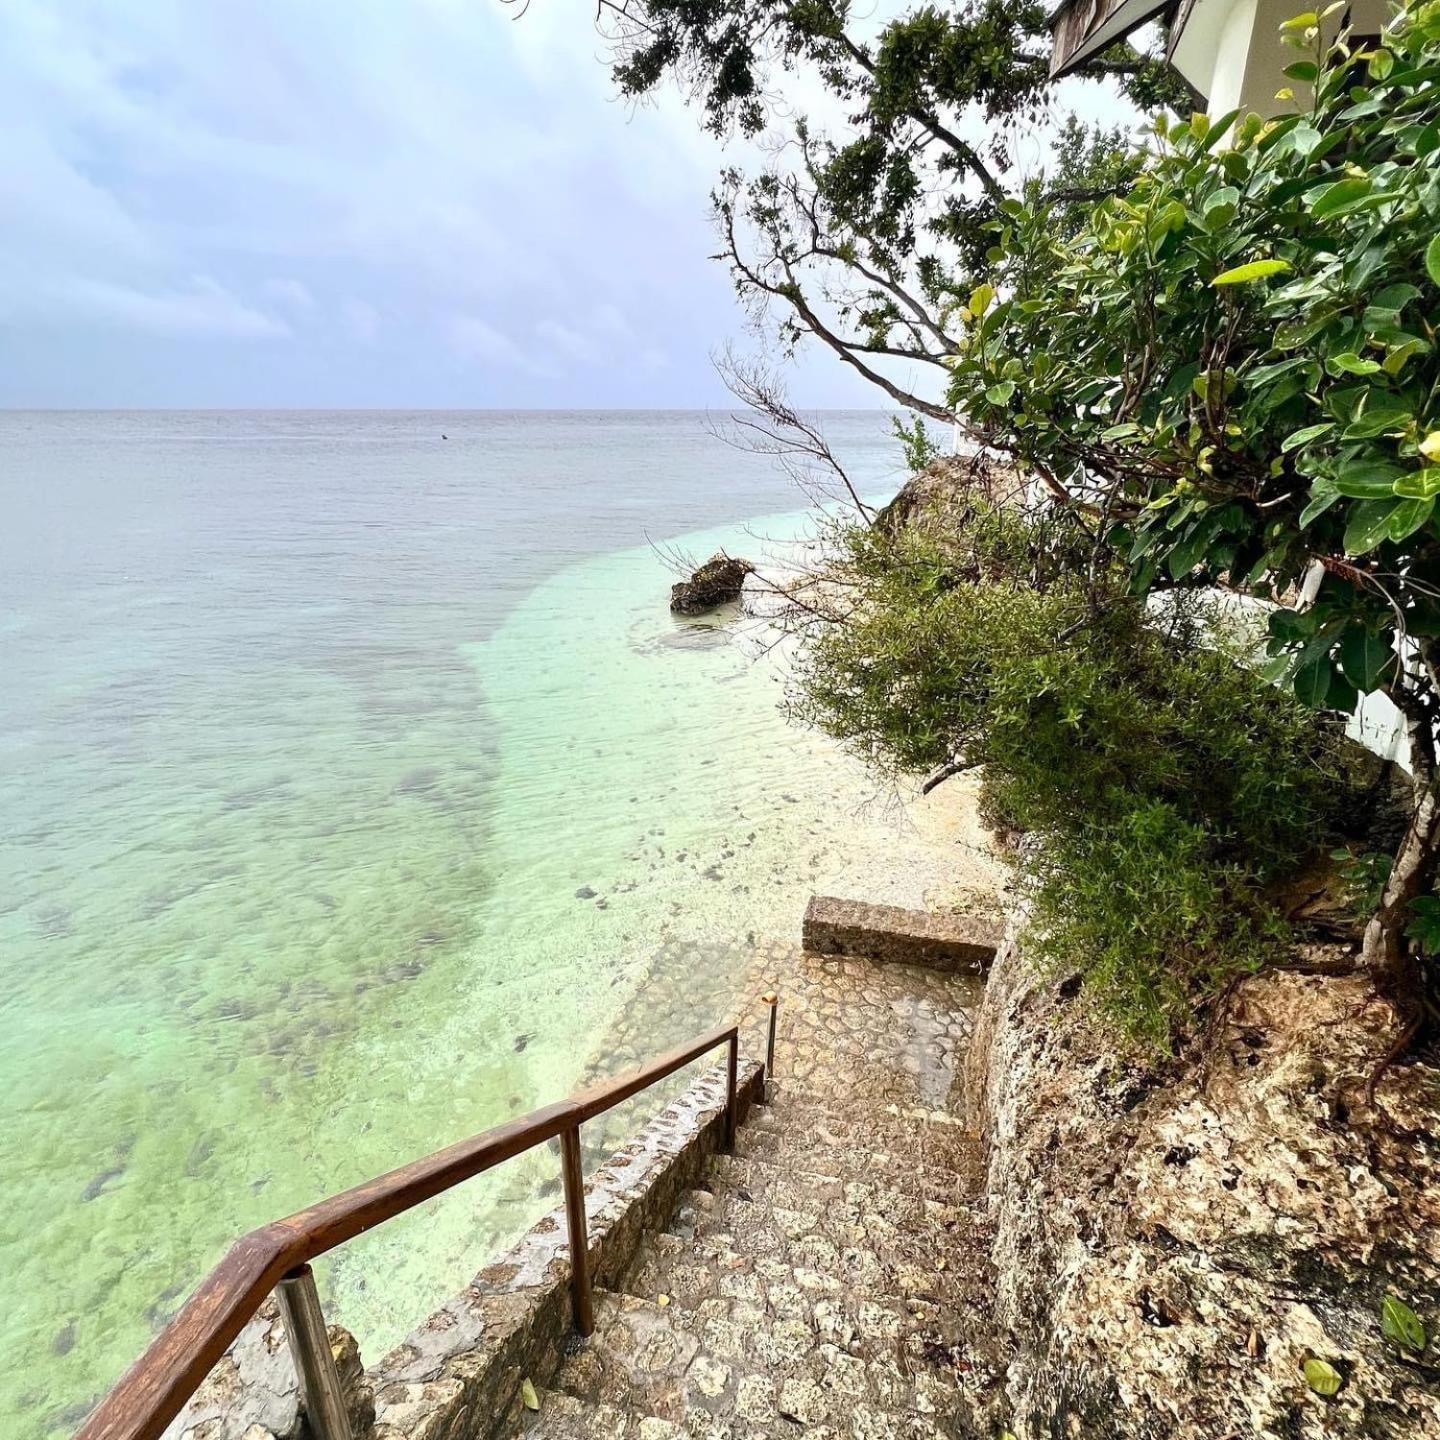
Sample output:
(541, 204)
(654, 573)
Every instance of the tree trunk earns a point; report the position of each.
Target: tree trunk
(1386, 953)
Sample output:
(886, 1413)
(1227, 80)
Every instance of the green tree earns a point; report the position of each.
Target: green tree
(869, 240)
(1231, 369)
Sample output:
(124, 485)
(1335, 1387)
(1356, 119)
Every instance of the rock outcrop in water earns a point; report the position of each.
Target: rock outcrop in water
(1172, 1245)
(717, 582)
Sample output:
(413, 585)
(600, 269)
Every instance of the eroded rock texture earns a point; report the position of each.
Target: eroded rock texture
(1170, 1249)
(717, 582)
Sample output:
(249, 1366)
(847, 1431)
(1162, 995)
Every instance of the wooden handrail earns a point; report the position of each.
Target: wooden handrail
(155, 1388)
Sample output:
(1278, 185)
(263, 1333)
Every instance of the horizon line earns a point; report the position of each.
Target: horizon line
(418, 409)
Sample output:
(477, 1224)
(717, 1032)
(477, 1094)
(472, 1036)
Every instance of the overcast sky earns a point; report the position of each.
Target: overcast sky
(350, 203)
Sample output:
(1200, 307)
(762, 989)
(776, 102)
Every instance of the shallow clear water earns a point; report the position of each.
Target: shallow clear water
(311, 728)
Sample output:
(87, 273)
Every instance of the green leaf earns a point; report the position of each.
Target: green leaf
(1364, 658)
(1254, 270)
(1374, 480)
(1340, 194)
(1378, 419)
(1397, 358)
(1432, 259)
(999, 394)
(1296, 332)
(1320, 502)
(1401, 1324)
(1369, 524)
(1312, 683)
(980, 298)
(1322, 1377)
(1180, 382)
(1343, 695)
(1172, 217)
(1395, 297)
(1349, 363)
(1297, 438)
(1408, 516)
(1419, 484)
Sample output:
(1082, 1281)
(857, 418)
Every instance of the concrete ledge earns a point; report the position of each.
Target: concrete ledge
(458, 1376)
(912, 937)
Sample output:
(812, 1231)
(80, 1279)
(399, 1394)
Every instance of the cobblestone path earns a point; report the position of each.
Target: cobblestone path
(828, 1279)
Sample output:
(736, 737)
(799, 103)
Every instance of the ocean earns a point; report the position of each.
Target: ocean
(353, 773)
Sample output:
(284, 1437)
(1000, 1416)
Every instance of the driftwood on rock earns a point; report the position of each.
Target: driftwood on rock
(717, 582)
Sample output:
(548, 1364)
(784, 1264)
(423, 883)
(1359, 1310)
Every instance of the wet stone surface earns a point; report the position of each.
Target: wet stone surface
(830, 1278)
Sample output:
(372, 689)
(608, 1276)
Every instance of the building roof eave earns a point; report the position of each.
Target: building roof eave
(1083, 28)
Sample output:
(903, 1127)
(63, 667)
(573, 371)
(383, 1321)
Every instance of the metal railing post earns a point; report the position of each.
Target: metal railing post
(773, 1001)
(314, 1360)
(149, 1396)
(732, 1085)
(574, 1175)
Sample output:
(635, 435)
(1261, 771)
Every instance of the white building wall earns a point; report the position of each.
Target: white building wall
(1234, 54)
(1228, 63)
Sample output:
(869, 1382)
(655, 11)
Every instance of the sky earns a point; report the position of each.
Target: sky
(352, 203)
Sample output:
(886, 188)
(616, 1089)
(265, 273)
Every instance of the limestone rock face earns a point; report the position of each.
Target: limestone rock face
(717, 582)
(1172, 1244)
(945, 489)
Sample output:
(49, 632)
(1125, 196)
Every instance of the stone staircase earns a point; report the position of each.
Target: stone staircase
(830, 1277)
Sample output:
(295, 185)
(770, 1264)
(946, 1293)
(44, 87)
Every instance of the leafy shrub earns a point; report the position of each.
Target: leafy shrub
(1168, 782)
(916, 444)
(1234, 365)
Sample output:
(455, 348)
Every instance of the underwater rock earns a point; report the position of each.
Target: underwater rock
(96, 1187)
(717, 582)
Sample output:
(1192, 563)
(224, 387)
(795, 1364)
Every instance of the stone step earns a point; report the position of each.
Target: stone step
(918, 1136)
(850, 1297)
(732, 1370)
(804, 1228)
(786, 1106)
(965, 943)
(814, 1155)
(935, 1327)
(563, 1417)
(804, 1171)
(756, 1174)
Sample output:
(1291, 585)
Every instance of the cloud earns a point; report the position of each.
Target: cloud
(569, 343)
(434, 186)
(291, 294)
(478, 340)
(203, 309)
(360, 320)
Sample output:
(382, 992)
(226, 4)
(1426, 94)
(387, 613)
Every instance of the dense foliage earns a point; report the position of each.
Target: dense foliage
(1169, 784)
(1233, 368)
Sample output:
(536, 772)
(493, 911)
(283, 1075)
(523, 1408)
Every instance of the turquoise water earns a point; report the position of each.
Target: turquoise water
(312, 728)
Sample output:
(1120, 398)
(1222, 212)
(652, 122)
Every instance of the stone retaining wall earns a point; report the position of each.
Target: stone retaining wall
(886, 932)
(458, 1376)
